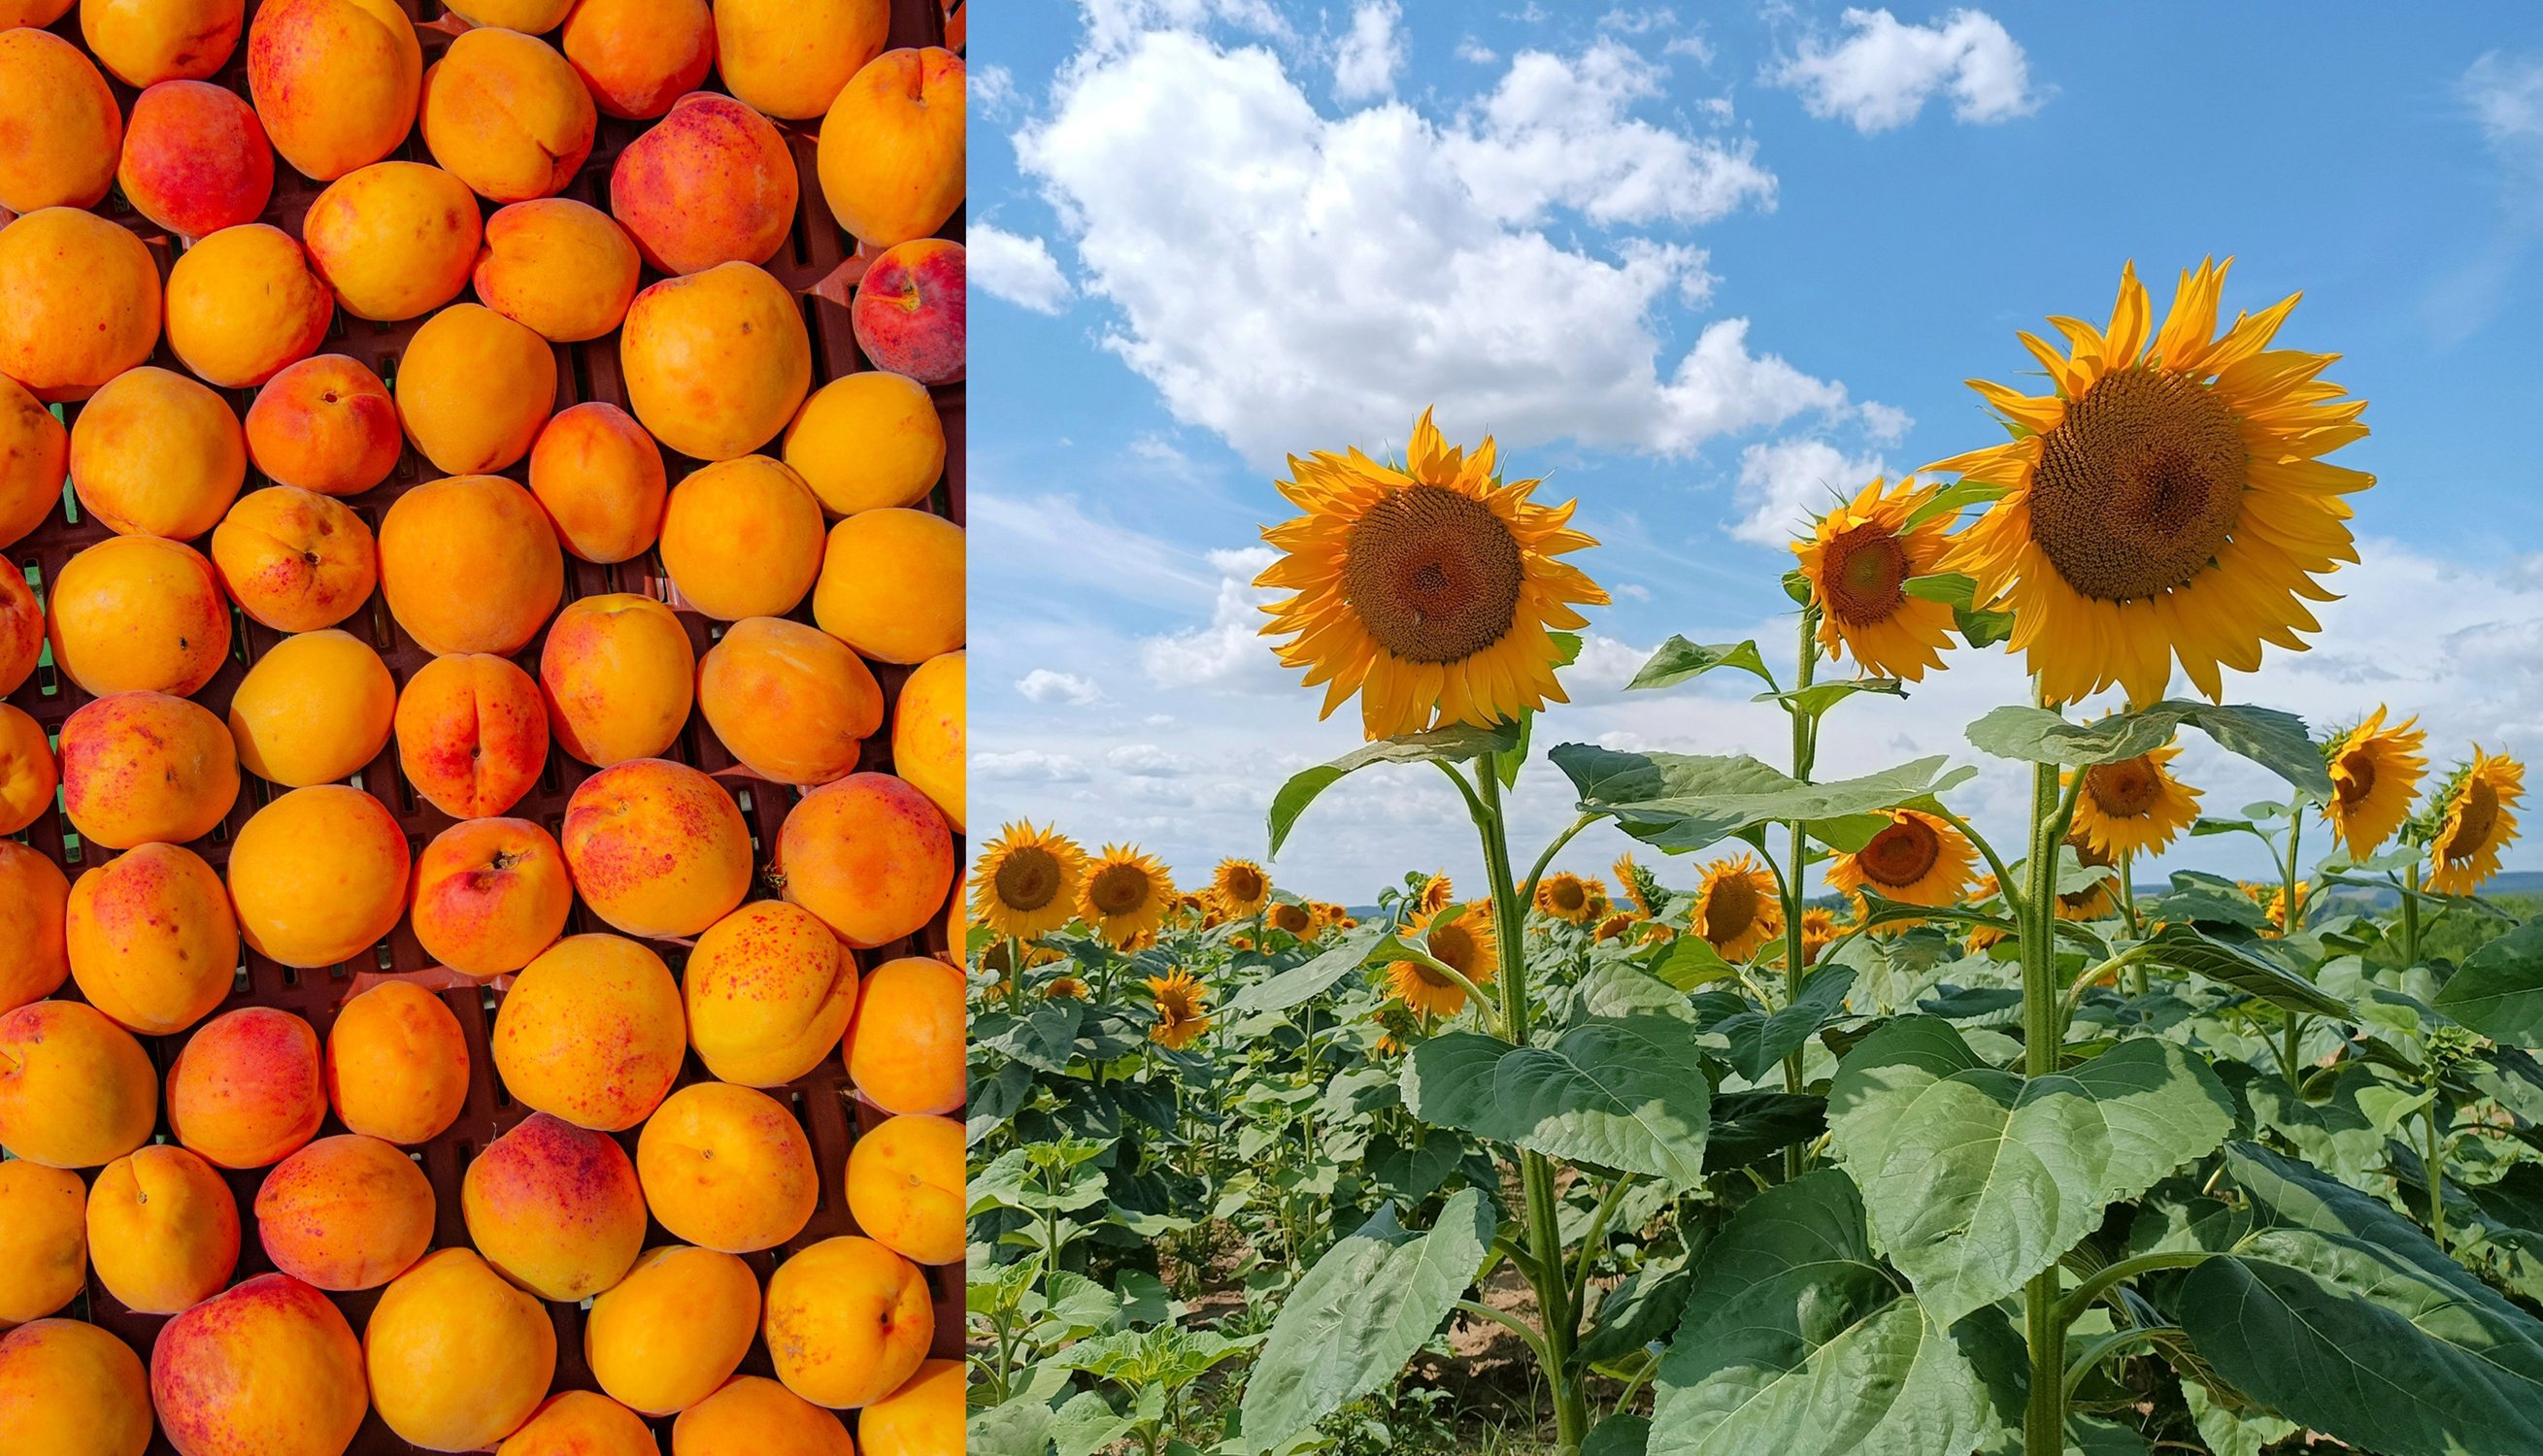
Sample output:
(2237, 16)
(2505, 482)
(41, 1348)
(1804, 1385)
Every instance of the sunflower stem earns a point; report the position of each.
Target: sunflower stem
(1797, 1158)
(2044, 1417)
(2411, 919)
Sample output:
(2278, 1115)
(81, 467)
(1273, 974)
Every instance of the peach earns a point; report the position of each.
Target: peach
(891, 160)
(33, 895)
(555, 1208)
(147, 41)
(458, 1359)
(637, 56)
(326, 424)
(317, 876)
(480, 530)
(397, 1067)
(591, 1031)
(728, 1168)
(336, 81)
(753, 1415)
(490, 895)
(79, 300)
(923, 1417)
(163, 1229)
(294, 560)
(151, 938)
(909, 310)
(242, 304)
(580, 1423)
(194, 159)
(906, 1188)
(61, 122)
(558, 267)
(891, 585)
(21, 627)
(529, 16)
(867, 440)
(769, 991)
(267, 1366)
(74, 1389)
(44, 1241)
(76, 1090)
(600, 477)
(145, 768)
(506, 115)
(905, 1047)
(790, 59)
(472, 734)
(140, 614)
(675, 1330)
(345, 1212)
(716, 362)
(315, 709)
(35, 459)
(870, 855)
(742, 538)
(928, 736)
(247, 1089)
(790, 701)
(711, 183)
(156, 454)
(473, 388)
(393, 239)
(618, 676)
(657, 848)
(848, 1321)
(28, 775)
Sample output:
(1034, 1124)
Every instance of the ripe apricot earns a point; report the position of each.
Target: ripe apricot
(591, 1031)
(35, 458)
(194, 159)
(151, 939)
(769, 991)
(490, 895)
(247, 1089)
(580, 1423)
(473, 388)
(870, 855)
(336, 81)
(600, 477)
(397, 1066)
(315, 709)
(657, 848)
(317, 876)
(79, 301)
(555, 1208)
(924, 1417)
(637, 56)
(242, 304)
(76, 1090)
(33, 894)
(147, 41)
(891, 585)
(156, 454)
(267, 1366)
(742, 538)
(791, 59)
(294, 560)
(672, 1332)
(485, 532)
(326, 424)
(711, 183)
(753, 1415)
(458, 1359)
(28, 775)
(906, 1188)
(63, 127)
(905, 1045)
(529, 16)
(472, 734)
(345, 1212)
(728, 1168)
(140, 614)
(848, 1321)
(393, 239)
(618, 676)
(928, 734)
(792, 702)
(163, 1229)
(43, 1242)
(868, 440)
(558, 267)
(715, 362)
(892, 150)
(69, 1386)
(143, 768)
(507, 116)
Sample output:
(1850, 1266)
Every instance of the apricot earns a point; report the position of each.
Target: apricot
(480, 529)
(556, 267)
(768, 992)
(923, 1417)
(79, 299)
(867, 440)
(891, 160)
(151, 939)
(893, 583)
(790, 701)
(156, 454)
(490, 895)
(618, 676)
(326, 424)
(473, 388)
(317, 876)
(336, 81)
(529, 16)
(44, 1243)
(28, 776)
(458, 1359)
(728, 1168)
(905, 1047)
(848, 1321)
(753, 1415)
(61, 122)
(163, 1229)
(716, 362)
(742, 538)
(345, 1212)
(870, 855)
(591, 1031)
(36, 13)
(73, 1389)
(33, 894)
(637, 56)
(397, 1067)
(506, 115)
(294, 560)
(393, 239)
(472, 734)
(791, 60)
(600, 477)
(928, 736)
(711, 183)
(267, 1366)
(906, 1188)
(247, 1089)
(675, 1330)
(909, 310)
(21, 627)
(657, 848)
(35, 459)
(76, 1090)
(140, 614)
(315, 709)
(580, 1423)
(555, 1208)
(194, 159)
(143, 768)
(147, 41)
(242, 304)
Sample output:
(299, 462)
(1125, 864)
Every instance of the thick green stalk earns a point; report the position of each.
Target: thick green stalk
(2434, 1159)
(2411, 919)
(1797, 1157)
(2043, 1424)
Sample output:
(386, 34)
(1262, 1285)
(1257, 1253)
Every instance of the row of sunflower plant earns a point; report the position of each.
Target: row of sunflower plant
(1883, 1135)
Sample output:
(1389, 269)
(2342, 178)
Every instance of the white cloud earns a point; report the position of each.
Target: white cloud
(1041, 685)
(1230, 655)
(1019, 269)
(1784, 482)
(1148, 761)
(1476, 52)
(2505, 94)
(1368, 55)
(1027, 764)
(992, 89)
(1886, 424)
(1881, 74)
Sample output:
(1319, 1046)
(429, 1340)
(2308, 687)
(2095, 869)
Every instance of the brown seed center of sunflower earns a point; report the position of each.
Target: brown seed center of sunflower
(1901, 854)
(2140, 486)
(2476, 814)
(1117, 889)
(2123, 789)
(1567, 896)
(2356, 777)
(1433, 575)
(1244, 883)
(1729, 908)
(1454, 944)
(1288, 917)
(1027, 879)
(1866, 575)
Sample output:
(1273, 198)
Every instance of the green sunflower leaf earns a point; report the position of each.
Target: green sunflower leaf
(1682, 801)
(2275, 740)
(1620, 1093)
(1680, 661)
(2499, 990)
(1453, 744)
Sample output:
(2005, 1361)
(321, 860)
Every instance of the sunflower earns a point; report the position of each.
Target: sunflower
(2168, 499)
(1919, 860)
(2375, 772)
(1459, 937)
(1980, 936)
(1292, 917)
(1568, 897)
(2479, 808)
(1065, 988)
(1737, 907)
(1858, 564)
(1125, 895)
(1437, 895)
(1655, 934)
(1183, 1010)
(2277, 907)
(1612, 925)
(1431, 591)
(1026, 883)
(2134, 806)
(1239, 886)
(2099, 900)
(1640, 885)
(1819, 930)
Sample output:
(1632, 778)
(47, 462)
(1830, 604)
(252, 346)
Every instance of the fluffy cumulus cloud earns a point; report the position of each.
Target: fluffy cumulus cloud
(2505, 94)
(1784, 482)
(1370, 53)
(1041, 685)
(1019, 269)
(1229, 655)
(1881, 73)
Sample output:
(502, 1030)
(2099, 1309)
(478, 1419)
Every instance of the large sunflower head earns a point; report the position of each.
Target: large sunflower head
(1858, 562)
(2281, 912)
(1126, 895)
(1917, 860)
(1431, 591)
(1292, 917)
(1458, 936)
(2135, 805)
(1737, 907)
(2375, 772)
(1614, 925)
(1026, 881)
(1183, 1010)
(2100, 898)
(2167, 499)
(1437, 894)
(1240, 887)
(1639, 885)
(1568, 897)
(1065, 988)
(1819, 930)
(2476, 819)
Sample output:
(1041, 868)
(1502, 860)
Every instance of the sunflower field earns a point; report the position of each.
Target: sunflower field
(1822, 1121)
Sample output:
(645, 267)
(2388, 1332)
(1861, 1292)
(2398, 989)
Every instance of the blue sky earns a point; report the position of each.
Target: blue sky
(1698, 274)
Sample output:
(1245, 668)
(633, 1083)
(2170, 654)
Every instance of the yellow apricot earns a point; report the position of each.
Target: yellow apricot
(315, 709)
